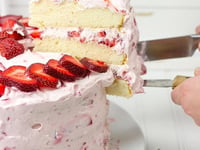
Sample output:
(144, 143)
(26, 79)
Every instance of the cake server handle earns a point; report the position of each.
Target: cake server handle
(178, 80)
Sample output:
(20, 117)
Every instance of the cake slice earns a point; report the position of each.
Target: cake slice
(101, 30)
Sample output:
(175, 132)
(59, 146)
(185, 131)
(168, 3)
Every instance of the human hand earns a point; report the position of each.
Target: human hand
(187, 95)
(198, 31)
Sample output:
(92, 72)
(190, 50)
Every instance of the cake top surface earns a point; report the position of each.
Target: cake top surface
(63, 91)
(118, 5)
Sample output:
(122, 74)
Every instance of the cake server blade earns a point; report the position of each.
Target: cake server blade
(174, 47)
(165, 82)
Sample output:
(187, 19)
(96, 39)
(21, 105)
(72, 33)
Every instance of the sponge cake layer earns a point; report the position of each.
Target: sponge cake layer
(78, 49)
(46, 14)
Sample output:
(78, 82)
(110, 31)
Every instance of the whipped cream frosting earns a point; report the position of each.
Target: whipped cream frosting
(55, 118)
(115, 5)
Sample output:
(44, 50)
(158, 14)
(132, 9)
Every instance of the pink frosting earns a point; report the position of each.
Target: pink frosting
(55, 118)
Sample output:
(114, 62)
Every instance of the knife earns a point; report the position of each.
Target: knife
(174, 47)
(165, 82)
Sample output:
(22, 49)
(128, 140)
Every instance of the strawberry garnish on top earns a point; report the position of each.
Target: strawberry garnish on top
(2, 89)
(13, 27)
(36, 72)
(95, 65)
(14, 34)
(2, 86)
(7, 17)
(54, 69)
(17, 36)
(10, 48)
(15, 76)
(74, 66)
(3, 35)
(8, 24)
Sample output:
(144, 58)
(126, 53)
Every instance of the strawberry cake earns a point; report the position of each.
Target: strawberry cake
(104, 30)
(49, 100)
(52, 109)
(56, 70)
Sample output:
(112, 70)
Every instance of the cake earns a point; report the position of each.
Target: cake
(55, 74)
(71, 116)
(40, 111)
(104, 30)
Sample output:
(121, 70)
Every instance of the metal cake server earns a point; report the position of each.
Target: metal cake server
(165, 82)
(174, 47)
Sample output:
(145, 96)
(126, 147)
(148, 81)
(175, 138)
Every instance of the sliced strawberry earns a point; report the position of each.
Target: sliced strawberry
(74, 66)
(54, 69)
(2, 86)
(11, 34)
(2, 89)
(15, 35)
(36, 72)
(8, 24)
(94, 65)
(14, 28)
(10, 48)
(15, 76)
(3, 35)
(13, 17)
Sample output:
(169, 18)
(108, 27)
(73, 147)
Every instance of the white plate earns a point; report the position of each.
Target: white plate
(125, 132)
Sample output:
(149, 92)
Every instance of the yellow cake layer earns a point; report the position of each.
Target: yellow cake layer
(120, 88)
(76, 48)
(69, 14)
